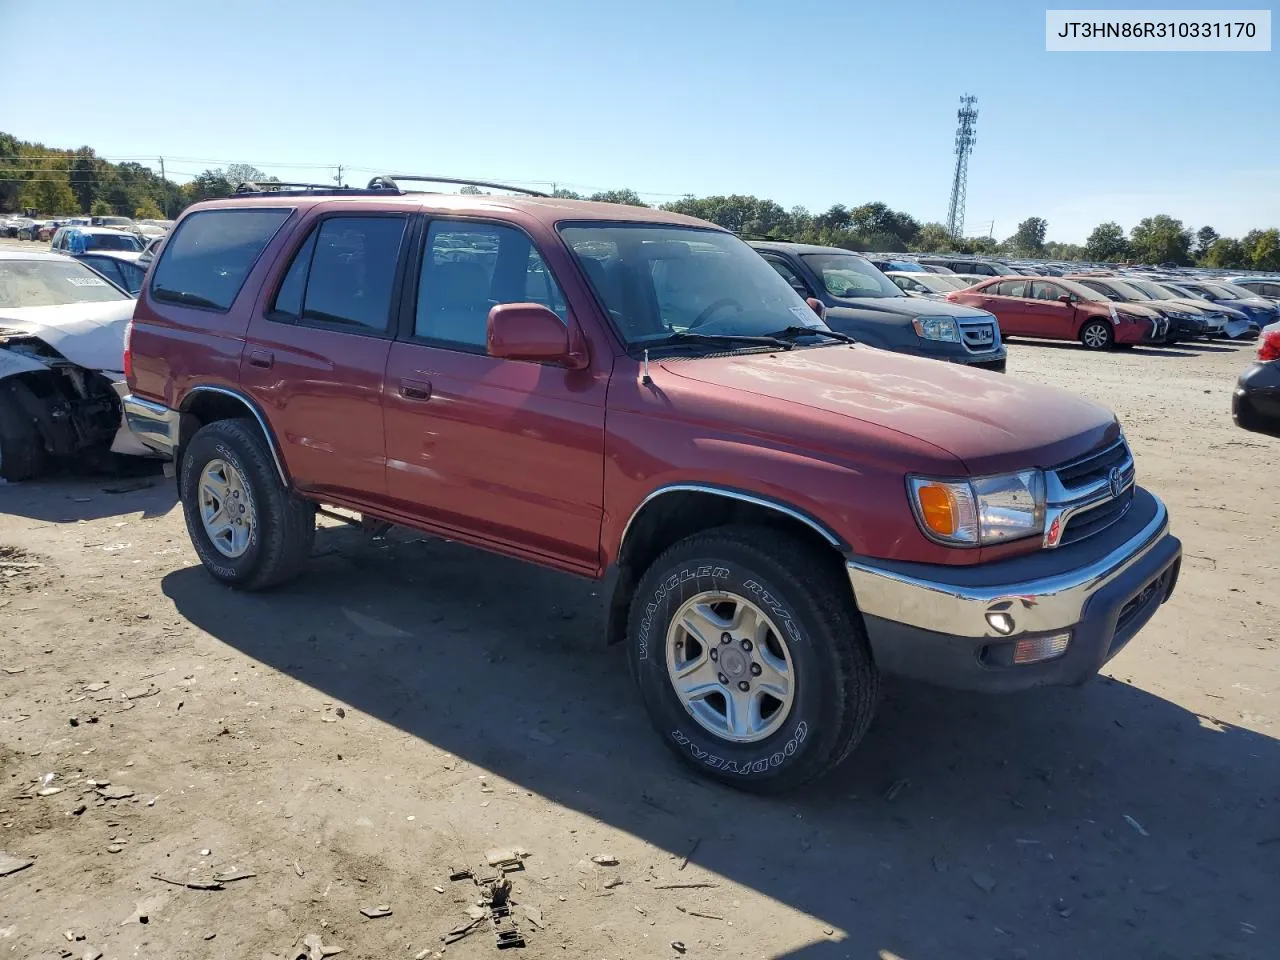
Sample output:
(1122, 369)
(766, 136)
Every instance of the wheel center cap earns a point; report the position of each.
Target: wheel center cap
(733, 662)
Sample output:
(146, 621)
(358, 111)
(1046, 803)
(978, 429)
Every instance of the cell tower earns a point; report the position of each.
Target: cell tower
(965, 139)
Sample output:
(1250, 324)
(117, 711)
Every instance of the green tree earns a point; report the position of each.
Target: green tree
(1161, 239)
(48, 194)
(1063, 251)
(1107, 242)
(878, 220)
(1205, 238)
(1263, 249)
(238, 173)
(1226, 253)
(1028, 239)
(933, 238)
(83, 177)
(148, 209)
(624, 196)
(208, 183)
(101, 208)
(563, 194)
(470, 191)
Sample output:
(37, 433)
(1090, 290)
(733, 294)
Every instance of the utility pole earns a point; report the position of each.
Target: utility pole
(161, 168)
(338, 178)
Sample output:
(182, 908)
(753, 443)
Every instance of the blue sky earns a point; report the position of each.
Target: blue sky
(808, 103)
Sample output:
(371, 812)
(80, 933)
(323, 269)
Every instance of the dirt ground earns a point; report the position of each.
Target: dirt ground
(409, 704)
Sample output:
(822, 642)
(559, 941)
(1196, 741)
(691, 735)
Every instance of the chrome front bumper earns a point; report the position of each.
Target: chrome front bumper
(152, 423)
(957, 625)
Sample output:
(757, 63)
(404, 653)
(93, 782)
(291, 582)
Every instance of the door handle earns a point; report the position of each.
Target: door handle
(261, 358)
(415, 389)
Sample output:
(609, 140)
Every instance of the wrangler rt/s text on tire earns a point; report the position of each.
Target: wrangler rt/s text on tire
(751, 658)
(249, 531)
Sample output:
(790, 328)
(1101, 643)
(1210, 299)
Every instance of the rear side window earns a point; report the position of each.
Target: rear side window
(207, 259)
(1008, 288)
(351, 275)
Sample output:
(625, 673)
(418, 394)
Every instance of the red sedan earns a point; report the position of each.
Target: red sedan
(1057, 309)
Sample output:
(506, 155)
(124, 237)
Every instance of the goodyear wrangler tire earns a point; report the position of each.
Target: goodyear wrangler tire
(248, 529)
(751, 658)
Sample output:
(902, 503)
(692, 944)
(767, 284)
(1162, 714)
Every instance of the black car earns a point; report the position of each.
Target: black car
(1256, 403)
(864, 303)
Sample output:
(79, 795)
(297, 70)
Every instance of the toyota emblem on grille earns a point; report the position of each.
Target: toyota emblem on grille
(1114, 482)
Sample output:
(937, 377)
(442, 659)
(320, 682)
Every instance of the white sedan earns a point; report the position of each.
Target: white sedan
(62, 333)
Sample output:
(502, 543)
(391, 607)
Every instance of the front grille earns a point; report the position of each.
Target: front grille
(1094, 467)
(1096, 519)
(980, 336)
(1087, 495)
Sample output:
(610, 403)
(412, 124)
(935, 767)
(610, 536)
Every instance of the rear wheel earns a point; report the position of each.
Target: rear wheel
(22, 453)
(248, 529)
(1097, 335)
(751, 658)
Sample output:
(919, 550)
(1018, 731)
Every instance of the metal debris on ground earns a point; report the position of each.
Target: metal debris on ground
(11, 864)
(297, 868)
(697, 913)
(190, 884)
(704, 885)
(507, 859)
(374, 913)
(1136, 825)
(311, 947)
(232, 875)
(677, 946)
(605, 860)
(461, 873)
(692, 850)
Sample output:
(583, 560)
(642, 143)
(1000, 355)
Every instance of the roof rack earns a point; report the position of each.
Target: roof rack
(281, 188)
(389, 182)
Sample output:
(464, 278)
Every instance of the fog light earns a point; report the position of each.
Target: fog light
(1035, 649)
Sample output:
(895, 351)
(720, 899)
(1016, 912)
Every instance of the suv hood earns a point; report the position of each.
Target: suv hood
(906, 307)
(991, 422)
(90, 335)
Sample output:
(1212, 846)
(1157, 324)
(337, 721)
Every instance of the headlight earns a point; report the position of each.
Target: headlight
(937, 328)
(982, 511)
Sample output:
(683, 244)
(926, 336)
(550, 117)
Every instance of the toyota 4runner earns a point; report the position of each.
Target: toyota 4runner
(778, 515)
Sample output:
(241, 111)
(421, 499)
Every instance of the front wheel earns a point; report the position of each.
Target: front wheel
(1097, 335)
(751, 658)
(248, 529)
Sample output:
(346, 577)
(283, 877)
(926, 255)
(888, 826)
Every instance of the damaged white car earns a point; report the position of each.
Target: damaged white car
(62, 336)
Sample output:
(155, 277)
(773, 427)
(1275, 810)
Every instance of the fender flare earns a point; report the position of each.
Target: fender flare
(257, 414)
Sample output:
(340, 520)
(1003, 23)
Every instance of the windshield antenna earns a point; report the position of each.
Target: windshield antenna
(644, 376)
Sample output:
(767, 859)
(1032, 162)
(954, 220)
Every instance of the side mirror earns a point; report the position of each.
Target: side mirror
(1065, 298)
(529, 331)
(817, 306)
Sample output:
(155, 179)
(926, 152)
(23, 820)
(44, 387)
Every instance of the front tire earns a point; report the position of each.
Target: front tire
(791, 691)
(1097, 335)
(248, 529)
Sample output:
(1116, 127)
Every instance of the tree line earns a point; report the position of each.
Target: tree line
(52, 181)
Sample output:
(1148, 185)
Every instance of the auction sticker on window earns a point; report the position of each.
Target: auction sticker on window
(86, 282)
(1134, 31)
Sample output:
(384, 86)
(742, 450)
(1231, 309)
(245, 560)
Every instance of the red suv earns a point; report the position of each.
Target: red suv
(1058, 309)
(777, 515)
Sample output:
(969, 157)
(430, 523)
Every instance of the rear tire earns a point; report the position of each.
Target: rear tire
(1097, 335)
(281, 527)
(22, 453)
(763, 584)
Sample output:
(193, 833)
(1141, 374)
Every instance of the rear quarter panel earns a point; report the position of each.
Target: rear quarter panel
(176, 347)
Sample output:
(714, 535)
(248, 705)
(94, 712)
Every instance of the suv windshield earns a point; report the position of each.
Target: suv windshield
(845, 275)
(50, 283)
(660, 281)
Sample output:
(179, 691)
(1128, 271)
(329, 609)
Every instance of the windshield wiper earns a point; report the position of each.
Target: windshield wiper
(690, 336)
(181, 296)
(799, 331)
